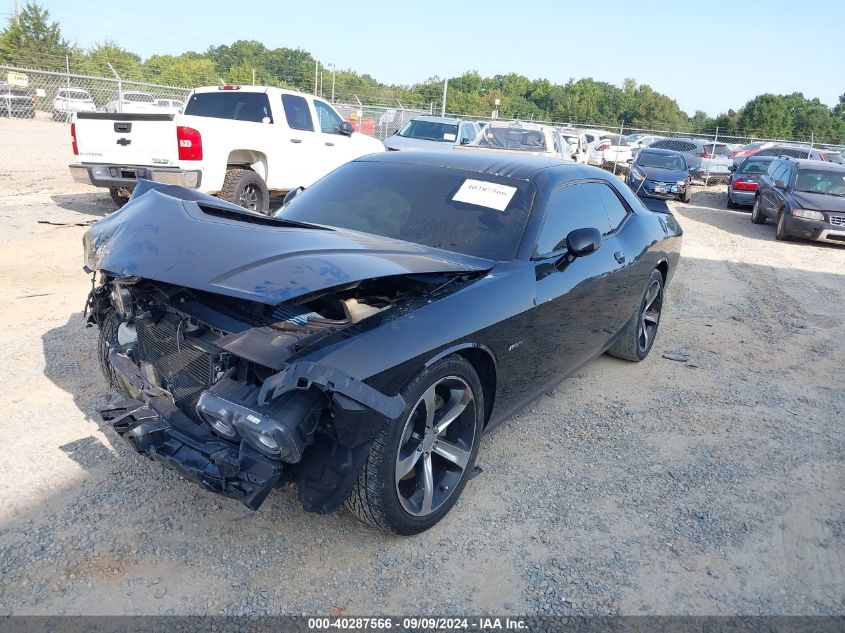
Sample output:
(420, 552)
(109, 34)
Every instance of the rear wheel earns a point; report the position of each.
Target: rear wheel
(757, 216)
(246, 189)
(637, 337)
(418, 465)
(730, 204)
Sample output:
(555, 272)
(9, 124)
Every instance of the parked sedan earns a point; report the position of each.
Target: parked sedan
(432, 133)
(706, 159)
(805, 197)
(744, 180)
(15, 101)
(71, 100)
(611, 149)
(779, 150)
(133, 103)
(359, 343)
(660, 173)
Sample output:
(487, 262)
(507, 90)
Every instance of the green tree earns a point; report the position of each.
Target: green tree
(33, 40)
(96, 62)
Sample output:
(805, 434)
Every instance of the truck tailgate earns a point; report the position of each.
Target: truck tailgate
(126, 139)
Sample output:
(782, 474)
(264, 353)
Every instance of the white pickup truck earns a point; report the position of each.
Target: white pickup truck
(237, 142)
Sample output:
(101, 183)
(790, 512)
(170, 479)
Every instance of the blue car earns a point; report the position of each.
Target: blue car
(660, 173)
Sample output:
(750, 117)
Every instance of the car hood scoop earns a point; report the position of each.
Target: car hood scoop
(203, 243)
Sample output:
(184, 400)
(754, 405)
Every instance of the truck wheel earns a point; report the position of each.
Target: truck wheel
(246, 189)
(119, 195)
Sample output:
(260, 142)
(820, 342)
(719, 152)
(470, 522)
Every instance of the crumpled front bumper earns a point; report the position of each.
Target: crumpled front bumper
(233, 470)
(157, 428)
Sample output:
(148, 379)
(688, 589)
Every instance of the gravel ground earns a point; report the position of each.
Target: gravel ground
(707, 486)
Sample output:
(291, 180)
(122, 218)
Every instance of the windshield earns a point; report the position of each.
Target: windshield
(752, 166)
(831, 183)
(138, 97)
(430, 131)
(444, 208)
(513, 137)
(662, 161)
(77, 94)
(621, 141)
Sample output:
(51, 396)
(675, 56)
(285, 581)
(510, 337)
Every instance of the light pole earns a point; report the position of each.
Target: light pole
(334, 67)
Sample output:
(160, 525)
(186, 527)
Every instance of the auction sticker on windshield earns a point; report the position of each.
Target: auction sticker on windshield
(485, 194)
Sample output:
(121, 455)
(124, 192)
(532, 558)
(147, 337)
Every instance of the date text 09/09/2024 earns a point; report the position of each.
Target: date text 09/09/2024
(418, 623)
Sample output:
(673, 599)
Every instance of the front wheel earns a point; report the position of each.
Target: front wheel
(637, 337)
(757, 216)
(246, 189)
(686, 196)
(418, 465)
(780, 232)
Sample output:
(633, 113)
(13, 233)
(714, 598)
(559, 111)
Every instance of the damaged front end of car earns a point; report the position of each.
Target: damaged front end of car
(219, 361)
(225, 421)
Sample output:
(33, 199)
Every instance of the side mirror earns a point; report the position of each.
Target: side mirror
(582, 242)
(290, 195)
(779, 184)
(630, 161)
(345, 128)
(465, 141)
(732, 168)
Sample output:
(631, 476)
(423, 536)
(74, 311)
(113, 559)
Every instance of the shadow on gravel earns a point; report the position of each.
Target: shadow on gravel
(97, 204)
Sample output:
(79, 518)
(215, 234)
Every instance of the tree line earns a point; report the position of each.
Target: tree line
(33, 40)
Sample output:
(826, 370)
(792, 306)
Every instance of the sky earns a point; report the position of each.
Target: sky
(708, 56)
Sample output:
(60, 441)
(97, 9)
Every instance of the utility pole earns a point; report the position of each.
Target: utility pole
(443, 105)
(16, 9)
(253, 76)
(67, 70)
(334, 68)
(316, 75)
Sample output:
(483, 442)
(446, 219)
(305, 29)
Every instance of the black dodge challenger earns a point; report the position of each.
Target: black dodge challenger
(360, 341)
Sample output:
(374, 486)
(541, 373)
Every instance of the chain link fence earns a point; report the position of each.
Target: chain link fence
(36, 105)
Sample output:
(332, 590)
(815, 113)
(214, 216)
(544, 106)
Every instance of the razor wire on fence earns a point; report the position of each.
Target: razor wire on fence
(36, 147)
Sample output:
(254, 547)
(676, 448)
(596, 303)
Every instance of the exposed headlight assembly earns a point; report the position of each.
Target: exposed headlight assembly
(637, 174)
(807, 215)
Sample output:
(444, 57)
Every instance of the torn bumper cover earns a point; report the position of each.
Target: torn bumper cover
(239, 467)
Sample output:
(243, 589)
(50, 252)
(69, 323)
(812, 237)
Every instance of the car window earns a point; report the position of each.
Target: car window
(441, 207)
(752, 166)
(614, 208)
(230, 104)
(430, 131)
(328, 118)
(571, 207)
(781, 173)
(297, 113)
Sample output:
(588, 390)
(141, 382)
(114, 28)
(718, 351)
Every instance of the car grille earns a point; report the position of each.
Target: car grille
(185, 369)
(837, 220)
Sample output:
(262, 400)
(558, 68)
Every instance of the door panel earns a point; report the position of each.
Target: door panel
(578, 301)
(300, 158)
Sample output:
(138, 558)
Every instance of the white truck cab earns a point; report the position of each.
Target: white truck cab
(237, 142)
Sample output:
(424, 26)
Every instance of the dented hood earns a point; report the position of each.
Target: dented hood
(177, 236)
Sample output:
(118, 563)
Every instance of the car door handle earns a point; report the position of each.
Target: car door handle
(620, 257)
(296, 140)
(329, 144)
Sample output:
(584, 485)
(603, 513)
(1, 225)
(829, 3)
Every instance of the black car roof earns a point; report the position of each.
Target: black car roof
(807, 163)
(488, 162)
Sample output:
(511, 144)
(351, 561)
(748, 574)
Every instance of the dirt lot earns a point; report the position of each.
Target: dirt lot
(712, 486)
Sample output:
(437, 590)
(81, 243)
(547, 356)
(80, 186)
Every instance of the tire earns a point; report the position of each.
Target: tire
(780, 232)
(118, 199)
(644, 323)
(246, 189)
(405, 505)
(730, 204)
(757, 216)
(108, 333)
(686, 196)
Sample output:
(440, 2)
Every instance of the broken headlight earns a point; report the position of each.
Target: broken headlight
(121, 299)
